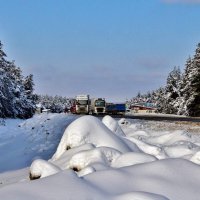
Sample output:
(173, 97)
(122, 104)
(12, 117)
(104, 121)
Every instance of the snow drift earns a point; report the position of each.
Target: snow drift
(115, 160)
(89, 129)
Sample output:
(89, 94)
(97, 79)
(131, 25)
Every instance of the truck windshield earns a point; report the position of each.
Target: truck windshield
(100, 103)
(82, 102)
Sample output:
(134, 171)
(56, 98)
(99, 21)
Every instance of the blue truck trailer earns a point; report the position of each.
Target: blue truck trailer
(116, 108)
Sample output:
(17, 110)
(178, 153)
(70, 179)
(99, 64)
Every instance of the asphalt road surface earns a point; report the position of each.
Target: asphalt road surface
(162, 118)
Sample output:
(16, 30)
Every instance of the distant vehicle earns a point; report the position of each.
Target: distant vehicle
(98, 106)
(46, 110)
(81, 105)
(73, 108)
(116, 108)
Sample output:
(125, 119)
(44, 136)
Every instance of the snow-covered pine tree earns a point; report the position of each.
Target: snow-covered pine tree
(172, 91)
(56, 104)
(185, 88)
(2, 56)
(193, 86)
(29, 86)
(6, 108)
(14, 101)
(158, 97)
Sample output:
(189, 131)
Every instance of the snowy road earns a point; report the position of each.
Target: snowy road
(162, 117)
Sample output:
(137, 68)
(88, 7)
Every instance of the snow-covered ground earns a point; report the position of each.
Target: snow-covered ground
(23, 140)
(99, 159)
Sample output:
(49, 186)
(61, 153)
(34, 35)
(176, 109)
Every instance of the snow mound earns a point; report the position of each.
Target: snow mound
(132, 158)
(196, 158)
(62, 186)
(85, 158)
(149, 149)
(177, 151)
(113, 125)
(64, 159)
(85, 171)
(140, 196)
(175, 179)
(123, 121)
(103, 155)
(170, 179)
(41, 168)
(89, 129)
(138, 134)
(94, 161)
(169, 138)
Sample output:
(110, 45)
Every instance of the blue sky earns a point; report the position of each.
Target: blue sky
(106, 48)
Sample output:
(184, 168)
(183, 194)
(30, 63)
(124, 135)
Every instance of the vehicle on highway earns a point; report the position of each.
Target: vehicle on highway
(116, 108)
(98, 106)
(81, 104)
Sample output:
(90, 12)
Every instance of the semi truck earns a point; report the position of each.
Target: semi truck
(116, 108)
(98, 106)
(82, 104)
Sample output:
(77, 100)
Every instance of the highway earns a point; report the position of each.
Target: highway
(161, 117)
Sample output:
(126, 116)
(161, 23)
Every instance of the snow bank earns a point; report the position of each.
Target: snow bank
(41, 168)
(91, 145)
(85, 158)
(113, 125)
(177, 151)
(115, 160)
(140, 196)
(170, 138)
(175, 179)
(196, 158)
(23, 140)
(132, 158)
(103, 155)
(89, 129)
(85, 171)
(64, 159)
(170, 179)
(149, 149)
(62, 186)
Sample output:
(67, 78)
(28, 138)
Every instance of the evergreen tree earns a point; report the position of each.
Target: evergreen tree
(2, 57)
(56, 104)
(138, 95)
(172, 91)
(29, 86)
(159, 99)
(14, 101)
(185, 88)
(182, 92)
(193, 102)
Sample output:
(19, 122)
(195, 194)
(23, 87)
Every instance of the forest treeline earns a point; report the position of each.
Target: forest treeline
(180, 95)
